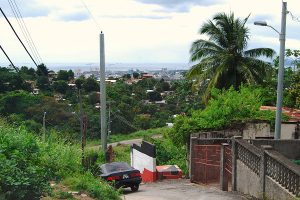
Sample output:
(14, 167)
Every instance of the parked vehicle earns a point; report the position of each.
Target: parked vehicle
(122, 175)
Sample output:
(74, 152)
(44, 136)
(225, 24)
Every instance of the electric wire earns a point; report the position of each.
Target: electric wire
(27, 33)
(16, 34)
(294, 18)
(12, 64)
(21, 27)
(90, 13)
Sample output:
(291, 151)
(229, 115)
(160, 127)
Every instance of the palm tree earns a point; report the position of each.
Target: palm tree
(223, 58)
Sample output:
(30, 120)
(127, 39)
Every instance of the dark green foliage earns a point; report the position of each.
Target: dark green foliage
(42, 70)
(154, 96)
(27, 73)
(10, 81)
(17, 102)
(43, 82)
(90, 85)
(135, 75)
(65, 75)
(60, 86)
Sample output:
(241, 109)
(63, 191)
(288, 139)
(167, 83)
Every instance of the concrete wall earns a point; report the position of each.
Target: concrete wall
(247, 181)
(288, 130)
(288, 148)
(142, 161)
(274, 191)
(253, 130)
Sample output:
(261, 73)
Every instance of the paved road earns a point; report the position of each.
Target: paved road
(179, 190)
(125, 142)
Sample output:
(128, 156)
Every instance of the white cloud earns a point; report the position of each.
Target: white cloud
(134, 31)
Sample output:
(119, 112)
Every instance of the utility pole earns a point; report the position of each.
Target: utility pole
(44, 127)
(103, 95)
(280, 72)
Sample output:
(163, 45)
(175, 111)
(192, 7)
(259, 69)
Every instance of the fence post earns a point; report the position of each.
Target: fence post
(192, 139)
(263, 167)
(234, 163)
(223, 175)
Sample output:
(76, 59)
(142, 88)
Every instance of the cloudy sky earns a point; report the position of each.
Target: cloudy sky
(136, 31)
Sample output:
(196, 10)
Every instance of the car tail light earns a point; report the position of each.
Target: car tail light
(136, 174)
(112, 178)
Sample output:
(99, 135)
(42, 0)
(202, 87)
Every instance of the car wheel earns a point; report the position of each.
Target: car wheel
(135, 187)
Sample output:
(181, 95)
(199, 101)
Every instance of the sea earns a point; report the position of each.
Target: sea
(109, 66)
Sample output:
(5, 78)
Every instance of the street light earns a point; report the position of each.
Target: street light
(281, 67)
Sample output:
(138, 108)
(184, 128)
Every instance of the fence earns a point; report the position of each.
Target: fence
(266, 162)
(249, 155)
(286, 175)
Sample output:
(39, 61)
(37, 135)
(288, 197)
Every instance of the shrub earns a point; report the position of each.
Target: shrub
(59, 157)
(21, 173)
(224, 107)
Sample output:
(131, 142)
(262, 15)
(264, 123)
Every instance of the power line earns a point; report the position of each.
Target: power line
(16, 14)
(90, 13)
(294, 18)
(18, 36)
(12, 64)
(24, 28)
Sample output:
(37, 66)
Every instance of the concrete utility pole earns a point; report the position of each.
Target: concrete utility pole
(280, 72)
(103, 95)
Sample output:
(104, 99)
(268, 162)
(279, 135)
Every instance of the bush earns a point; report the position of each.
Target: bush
(21, 173)
(223, 108)
(27, 165)
(169, 154)
(59, 157)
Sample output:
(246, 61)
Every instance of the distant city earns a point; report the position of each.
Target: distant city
(145, 67)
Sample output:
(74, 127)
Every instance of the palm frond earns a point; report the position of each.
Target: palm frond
(267, 52)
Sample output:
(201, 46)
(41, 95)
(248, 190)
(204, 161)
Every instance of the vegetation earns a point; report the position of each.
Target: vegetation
(27, 165)
(223, 59)
(224, 107)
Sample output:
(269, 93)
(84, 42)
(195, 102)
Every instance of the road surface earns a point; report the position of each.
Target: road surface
(179, 190)
(124, 142)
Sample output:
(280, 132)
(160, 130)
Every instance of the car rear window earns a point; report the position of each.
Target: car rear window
(115, 167)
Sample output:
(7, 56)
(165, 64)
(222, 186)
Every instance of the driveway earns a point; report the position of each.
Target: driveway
(179, 190)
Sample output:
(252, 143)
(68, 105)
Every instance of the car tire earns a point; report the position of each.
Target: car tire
(135, 187)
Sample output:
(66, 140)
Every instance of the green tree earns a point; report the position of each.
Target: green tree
(154, 96)
(63, 75)
(223, 59)
(60, 86)
(135, 75)
(42, 70)
(43, 82)
(90, 85)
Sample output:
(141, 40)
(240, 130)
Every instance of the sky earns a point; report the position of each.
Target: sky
(136, 31)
